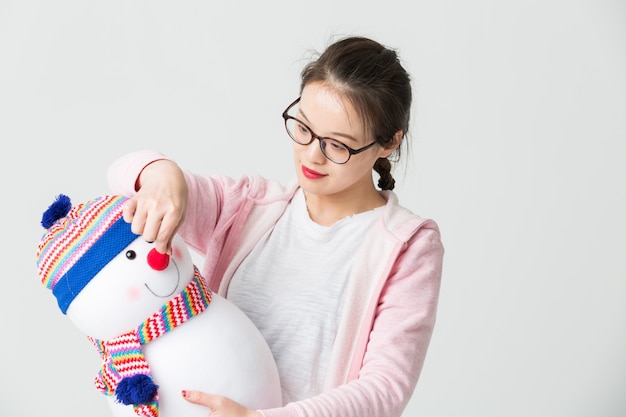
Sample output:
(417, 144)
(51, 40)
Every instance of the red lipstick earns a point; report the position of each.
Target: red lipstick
(310, 174)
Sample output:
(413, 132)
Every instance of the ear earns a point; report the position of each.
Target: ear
(393, 145)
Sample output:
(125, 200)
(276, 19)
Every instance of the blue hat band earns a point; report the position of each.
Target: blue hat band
(107, 247)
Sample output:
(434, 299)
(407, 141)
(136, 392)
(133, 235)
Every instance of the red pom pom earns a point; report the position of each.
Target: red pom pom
(158, 261)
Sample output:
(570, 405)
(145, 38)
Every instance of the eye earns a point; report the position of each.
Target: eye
(302, 128)
(336, 146)
(131, 254)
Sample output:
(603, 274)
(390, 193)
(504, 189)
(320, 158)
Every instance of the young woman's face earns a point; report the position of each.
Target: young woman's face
(329, 115)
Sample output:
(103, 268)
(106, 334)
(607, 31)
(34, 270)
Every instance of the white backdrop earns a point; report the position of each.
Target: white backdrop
(518, 151)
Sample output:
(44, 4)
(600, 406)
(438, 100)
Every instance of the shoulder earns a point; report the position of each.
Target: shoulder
(403, 223)
(257, 188)
(264, 190)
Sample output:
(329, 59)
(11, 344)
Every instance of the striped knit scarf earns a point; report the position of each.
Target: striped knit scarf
(125, 370)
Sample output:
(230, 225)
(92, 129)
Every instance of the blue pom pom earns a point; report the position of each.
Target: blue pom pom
(57, 210)
(136, 389)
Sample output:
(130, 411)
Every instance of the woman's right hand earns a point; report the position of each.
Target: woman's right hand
(158, 208)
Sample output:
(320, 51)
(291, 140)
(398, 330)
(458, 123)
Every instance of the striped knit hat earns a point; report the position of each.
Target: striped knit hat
(79, 242)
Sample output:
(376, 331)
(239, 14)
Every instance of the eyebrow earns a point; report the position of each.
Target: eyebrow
(334, 134)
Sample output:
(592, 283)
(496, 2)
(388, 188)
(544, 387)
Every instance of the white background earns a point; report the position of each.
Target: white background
(518, 152)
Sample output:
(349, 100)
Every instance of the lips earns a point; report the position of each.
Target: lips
(310, 174)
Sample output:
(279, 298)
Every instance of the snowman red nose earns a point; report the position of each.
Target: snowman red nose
(158, 261)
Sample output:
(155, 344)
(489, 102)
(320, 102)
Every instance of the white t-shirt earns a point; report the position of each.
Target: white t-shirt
(292, 287)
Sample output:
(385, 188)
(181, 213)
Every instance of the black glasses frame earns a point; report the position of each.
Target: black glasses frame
(321, 139)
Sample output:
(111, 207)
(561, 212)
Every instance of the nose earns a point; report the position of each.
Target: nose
(158, 261)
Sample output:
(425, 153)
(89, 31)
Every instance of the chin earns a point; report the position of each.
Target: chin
(309, 188)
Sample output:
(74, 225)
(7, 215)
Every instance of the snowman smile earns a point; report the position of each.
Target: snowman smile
(163, 291)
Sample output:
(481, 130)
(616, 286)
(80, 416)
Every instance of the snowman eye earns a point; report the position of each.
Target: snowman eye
(131, 254)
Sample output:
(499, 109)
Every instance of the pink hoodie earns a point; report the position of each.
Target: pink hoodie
(386, 327)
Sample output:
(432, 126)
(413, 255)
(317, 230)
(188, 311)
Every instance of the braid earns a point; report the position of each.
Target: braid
(383, 168)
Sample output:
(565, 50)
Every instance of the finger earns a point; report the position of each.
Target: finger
(199, 397)
(128, 211)
(139, 223)
(164, 248)
(151, 228)
(165, 236)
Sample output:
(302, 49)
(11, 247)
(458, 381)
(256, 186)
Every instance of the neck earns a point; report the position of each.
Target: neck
(326, 210)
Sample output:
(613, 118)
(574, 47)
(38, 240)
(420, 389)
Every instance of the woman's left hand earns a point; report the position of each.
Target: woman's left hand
(220, 406)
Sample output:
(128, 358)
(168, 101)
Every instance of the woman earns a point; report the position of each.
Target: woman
(340, 279)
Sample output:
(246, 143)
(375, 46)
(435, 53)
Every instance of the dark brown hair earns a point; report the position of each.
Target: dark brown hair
(371, 77)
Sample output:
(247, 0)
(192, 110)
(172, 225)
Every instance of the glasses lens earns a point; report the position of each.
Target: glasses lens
(332, 149)
(298, 131)
(335, 150)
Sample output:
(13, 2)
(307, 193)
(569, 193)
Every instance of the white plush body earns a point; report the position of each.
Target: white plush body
(218, 351)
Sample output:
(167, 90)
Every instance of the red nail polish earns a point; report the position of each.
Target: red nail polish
(184, 393)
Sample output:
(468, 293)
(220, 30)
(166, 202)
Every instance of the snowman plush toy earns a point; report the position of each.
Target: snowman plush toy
(156, 325)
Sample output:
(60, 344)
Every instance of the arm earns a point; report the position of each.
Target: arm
(165, 200)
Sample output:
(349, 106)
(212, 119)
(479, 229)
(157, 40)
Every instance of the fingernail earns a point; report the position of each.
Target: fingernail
(184, 393)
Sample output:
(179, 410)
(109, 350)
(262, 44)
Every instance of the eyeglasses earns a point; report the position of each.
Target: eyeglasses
(332, 149)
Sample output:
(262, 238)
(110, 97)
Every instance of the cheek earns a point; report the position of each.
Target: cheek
(133, 293)
(353, 169)
(176, 252)
(296, 150)
(297, 160)
(364, 166)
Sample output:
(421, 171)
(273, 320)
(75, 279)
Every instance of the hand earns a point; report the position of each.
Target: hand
(158, 208)
(220, 406)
